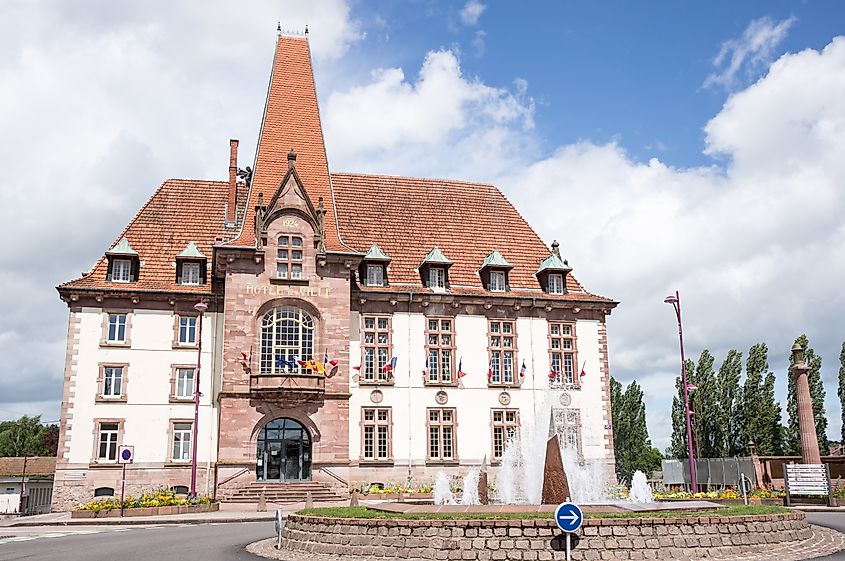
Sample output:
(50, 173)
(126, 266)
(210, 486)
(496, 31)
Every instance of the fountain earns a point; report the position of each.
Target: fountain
(640, 490)
(443, 489)
(470, 492)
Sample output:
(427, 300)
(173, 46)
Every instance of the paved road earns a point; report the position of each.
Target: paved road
(833, 520)
(194, 542)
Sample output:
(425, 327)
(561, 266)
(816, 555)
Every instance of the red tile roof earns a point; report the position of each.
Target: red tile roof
(13, 467)
(180, 211)
(291, 121)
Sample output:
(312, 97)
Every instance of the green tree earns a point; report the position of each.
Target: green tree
(759, 411)
(817, 395)
(726, 437)
(704, 401)
(841, 390)
(24, 437)
(678, 444)
(630, 434)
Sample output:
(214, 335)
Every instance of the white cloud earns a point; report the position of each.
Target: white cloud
(471, 11)
(752, 51)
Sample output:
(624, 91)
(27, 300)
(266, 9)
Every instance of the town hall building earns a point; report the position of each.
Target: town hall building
(352, 328)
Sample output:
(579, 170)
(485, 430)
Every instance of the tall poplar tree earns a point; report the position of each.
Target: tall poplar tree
(726, 434)
(817, 395)
(841, 391)
(678, 443)
(760, 412)
(632, 444)
(704, 404)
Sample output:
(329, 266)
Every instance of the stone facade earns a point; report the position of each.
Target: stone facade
(539, 540)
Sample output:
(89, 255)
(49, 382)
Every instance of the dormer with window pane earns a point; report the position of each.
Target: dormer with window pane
(123, 262)
(373, 268)
(434, 270)
(289, 257)
(191, 265)
(494, 272)
(552, 272)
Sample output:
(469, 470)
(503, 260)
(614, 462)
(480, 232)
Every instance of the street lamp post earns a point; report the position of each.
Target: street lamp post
(675, 300)
(200, 307)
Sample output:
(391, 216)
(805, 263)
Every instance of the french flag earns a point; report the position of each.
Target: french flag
(326, 359)
(552, 375)
(461, 372)
(390, 366)
(522, 371)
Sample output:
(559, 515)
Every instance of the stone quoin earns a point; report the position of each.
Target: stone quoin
(322, 289)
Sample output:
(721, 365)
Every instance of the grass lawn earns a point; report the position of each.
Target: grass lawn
(364, 512)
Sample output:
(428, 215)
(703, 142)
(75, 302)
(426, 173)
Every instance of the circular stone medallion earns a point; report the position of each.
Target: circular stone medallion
(441, 397)
(565, 399)
(376, 396)
(505, 398)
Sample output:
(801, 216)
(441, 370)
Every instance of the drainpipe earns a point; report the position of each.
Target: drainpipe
(410, 453)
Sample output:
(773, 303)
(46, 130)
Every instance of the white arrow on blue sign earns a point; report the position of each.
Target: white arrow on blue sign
(568, 517)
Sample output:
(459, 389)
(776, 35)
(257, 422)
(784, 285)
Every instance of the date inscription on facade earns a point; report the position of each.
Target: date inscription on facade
(290, 223)
(281, 290)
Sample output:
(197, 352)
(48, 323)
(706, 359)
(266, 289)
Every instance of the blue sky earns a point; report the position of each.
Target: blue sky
(666, 145)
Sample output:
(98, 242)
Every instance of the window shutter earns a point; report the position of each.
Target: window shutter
(203, 267)
(178, 271)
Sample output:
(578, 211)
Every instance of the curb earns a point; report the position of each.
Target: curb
(140, 522)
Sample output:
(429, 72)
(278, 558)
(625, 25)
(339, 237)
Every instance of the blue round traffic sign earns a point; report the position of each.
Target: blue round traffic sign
(126, 454)
(568, 517)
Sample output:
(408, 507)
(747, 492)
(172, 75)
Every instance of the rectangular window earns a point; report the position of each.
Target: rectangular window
(567, 424)
(375, 275)
(497, 281)
(562, 355)
(441, 435)
(107, 442)
(505, 425)
(116, 331)
(377, 441)
(113, 381)
(555, 282)
(121, 270)
(440, 350)
(437, 278)
(289, 258)
(184, 382)
(376, 349)
(190, 273)
(187, 330)
(182, 433)
(502, 349)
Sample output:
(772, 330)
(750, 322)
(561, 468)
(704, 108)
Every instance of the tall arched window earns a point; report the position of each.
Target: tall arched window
(287, 333)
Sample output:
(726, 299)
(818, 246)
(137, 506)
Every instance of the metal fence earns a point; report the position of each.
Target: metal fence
(711, 472)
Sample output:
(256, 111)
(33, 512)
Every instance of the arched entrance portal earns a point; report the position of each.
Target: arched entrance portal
(284, 452)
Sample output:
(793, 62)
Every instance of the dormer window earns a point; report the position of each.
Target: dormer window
(494, 272)
(123, 262)
(289, 258)
(555, 283)
(373, 268)
(437, 278)
(375, 275)
(497, 281)
(121, 270)
(191, 266)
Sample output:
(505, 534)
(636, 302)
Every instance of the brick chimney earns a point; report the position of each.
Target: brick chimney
(233, 181)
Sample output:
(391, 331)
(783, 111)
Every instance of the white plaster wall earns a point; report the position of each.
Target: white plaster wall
(147, 411)
(473, 400)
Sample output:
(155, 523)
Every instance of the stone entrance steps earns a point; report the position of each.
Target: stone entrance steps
(279, 493)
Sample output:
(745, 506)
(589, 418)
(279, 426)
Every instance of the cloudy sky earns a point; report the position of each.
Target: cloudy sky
(666, 148)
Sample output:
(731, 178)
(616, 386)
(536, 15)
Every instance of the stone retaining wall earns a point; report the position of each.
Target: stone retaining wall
(608, 538)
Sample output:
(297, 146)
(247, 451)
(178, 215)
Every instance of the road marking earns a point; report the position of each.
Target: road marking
(62, 534)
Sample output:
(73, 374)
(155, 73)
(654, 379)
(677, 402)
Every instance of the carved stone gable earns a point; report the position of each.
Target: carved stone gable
(291, 196)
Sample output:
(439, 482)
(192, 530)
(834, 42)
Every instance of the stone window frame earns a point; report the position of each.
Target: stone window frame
(289, 261)
(95, 456)
(101, 382)
(171, 435)
(374, 279)
(177, 318)
(503, 425)
(453, 424)
(575, 425)
(560, 381)
(491, 349)
(174, 381)
(104, 336)
(453, 378)
(377, 380)
(376, 423)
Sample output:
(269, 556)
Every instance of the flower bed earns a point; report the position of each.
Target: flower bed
(153, 503)
(145, 511)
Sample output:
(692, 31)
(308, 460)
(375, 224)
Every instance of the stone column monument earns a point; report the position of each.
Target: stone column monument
(806, 421)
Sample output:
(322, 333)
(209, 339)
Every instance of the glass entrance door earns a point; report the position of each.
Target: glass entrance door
(284, 452)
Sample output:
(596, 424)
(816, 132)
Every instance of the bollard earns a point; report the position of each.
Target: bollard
(262, 502)
(353, 499)
(309, 500)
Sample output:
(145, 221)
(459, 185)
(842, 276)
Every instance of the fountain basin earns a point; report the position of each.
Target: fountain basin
(599, 508)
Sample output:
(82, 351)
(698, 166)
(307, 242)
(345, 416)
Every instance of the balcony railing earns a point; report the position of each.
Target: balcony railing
(287, 387)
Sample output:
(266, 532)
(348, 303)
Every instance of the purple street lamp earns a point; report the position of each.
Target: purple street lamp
(675, 300)
(200, 307)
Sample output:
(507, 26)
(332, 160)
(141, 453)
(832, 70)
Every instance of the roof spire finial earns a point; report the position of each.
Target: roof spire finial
(306, 30)
(292, 159)
(556, 248)
(279, 26)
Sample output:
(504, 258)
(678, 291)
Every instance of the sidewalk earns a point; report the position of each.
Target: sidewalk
(229, 512)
